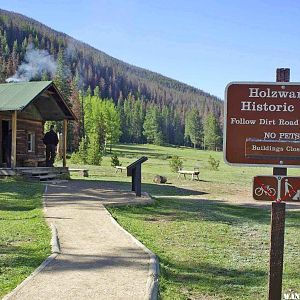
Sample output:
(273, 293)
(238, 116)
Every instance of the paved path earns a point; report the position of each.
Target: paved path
(98, 260)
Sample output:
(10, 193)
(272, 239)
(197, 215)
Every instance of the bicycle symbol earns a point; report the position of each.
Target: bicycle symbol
(267, 190)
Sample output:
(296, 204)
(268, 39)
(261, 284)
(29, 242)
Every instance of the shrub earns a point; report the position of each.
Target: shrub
(175, 163)
(81, 155)
(213, 163)
(115, 161)
(94, 154)
(75, 159)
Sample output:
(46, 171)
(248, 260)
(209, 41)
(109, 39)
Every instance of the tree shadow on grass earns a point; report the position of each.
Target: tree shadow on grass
(179, 207)
(153, 189)
(213, 278)
(20, 196)
(18, 256)
(185, 209)
(133, 148)
(134, 155)
(173, 210)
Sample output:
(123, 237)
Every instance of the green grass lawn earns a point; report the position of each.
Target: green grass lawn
(207, 249)
(24, 235)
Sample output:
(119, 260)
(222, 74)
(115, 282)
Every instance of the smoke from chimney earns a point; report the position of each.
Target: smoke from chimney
(36, 63)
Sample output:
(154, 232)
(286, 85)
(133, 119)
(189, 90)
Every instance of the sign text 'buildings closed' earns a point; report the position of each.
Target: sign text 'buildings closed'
(262, 124)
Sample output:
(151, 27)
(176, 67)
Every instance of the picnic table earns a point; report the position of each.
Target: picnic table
(120, 168)
(194, 173)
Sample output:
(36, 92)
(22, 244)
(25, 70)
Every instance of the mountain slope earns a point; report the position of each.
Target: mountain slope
(116, 79)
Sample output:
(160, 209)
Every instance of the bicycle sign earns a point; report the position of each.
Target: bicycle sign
(267, 190)
(276, 188)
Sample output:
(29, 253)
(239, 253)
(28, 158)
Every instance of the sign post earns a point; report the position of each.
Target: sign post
(262, 128)
(277, 225)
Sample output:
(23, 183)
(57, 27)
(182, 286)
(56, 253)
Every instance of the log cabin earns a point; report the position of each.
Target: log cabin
(24, 108)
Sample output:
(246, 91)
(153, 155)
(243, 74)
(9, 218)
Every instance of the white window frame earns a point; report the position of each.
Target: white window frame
(31, 142)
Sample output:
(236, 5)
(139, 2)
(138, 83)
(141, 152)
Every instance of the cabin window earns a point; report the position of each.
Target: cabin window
(30, 141)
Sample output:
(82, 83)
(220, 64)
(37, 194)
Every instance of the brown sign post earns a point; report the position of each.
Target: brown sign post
(277, 225)
(262, 127)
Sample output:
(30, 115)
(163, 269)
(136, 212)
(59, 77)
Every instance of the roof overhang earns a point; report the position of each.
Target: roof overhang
(45, 98)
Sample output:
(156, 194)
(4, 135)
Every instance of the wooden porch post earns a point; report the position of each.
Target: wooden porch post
(14, 139)
(65, 130)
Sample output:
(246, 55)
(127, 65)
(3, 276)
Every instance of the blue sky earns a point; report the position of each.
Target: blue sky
(206, 44)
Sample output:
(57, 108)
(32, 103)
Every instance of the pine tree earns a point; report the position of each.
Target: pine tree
(112, 124)
(152, 126)
(74, 100)
(212, 133)
(193, 127)
(137, 121)
(82, 150)
(62, 76)
(94, 155)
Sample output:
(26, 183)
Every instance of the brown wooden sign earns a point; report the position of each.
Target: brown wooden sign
(265, 188)
(262, 125)
(280, 188)
(290, 188)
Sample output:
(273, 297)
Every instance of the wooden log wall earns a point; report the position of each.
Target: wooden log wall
(23, 128)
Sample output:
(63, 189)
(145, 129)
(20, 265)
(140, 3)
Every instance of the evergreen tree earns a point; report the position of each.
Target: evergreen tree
(126, 121)
(94, 154)
(152, 126)
(212, 133)
(193, 127)
(112, 124)
(62, 76)
(137, 121)
(82, 150)
(74, 126)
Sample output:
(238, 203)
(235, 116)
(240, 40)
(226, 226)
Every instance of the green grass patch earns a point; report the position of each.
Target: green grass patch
(207, 248)
(211, 249)
(24, 235)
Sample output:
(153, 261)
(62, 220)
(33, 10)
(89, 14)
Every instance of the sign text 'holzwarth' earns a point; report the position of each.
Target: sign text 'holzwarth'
(262, 124)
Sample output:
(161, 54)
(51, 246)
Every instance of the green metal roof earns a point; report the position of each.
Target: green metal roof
(16, 95)
(43, 95)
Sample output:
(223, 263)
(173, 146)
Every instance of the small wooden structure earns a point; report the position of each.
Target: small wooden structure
(24, 108)
(194, 173)
(135, 171)
(82, 172)
(120, 168)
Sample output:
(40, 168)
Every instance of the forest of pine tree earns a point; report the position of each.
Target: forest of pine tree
(134, 105)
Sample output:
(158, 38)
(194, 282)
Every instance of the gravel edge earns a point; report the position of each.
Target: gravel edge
(152, 285)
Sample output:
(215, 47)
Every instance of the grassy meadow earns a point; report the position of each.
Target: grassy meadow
(228, 181)
(24, 235)
(210, 243)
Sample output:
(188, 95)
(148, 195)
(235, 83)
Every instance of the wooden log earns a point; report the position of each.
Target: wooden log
(65, 142)
(14, 140)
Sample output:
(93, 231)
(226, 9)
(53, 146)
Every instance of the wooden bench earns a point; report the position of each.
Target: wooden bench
(193, 173)
(120, 168)
(82, 172)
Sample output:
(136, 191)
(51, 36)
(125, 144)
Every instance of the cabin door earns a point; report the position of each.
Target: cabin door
(6, 125)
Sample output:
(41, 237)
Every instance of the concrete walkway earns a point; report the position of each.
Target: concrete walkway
(98, 260)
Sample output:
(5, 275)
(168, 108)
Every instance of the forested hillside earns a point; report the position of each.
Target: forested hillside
(82, 68)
